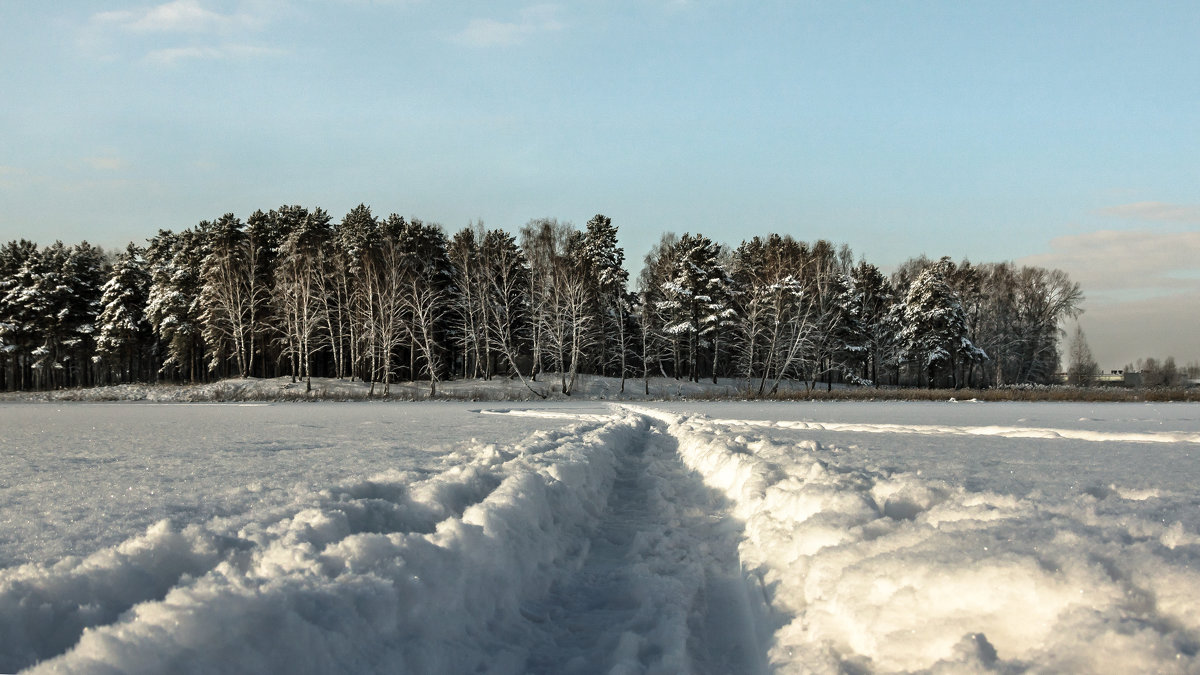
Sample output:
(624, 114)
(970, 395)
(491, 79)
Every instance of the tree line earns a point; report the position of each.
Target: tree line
(291, 292)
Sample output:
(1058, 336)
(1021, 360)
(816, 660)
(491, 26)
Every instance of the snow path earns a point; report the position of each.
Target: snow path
(662, 590)
(589, 549)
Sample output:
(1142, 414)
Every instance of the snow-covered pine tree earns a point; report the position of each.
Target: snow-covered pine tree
(935, 327)
(262, 247)
(868, 300)
(658, 301)
(86, 269)
(610, 305)
(123, 337)
(16, 331)
(45, 303)
(173, 304)
(747, 266)
(693, 296)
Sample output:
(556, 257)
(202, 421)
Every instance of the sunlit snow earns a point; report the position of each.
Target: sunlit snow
(584, 537)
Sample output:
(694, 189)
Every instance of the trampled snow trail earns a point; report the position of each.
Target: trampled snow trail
(661, 589)
(591, 549)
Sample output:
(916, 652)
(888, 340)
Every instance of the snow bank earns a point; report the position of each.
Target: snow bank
(891, 572)
(399, 574)
(1001, 431)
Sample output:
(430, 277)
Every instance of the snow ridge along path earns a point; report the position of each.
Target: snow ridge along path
(586, 550)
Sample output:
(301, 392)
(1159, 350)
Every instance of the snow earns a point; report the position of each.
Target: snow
(583, 536)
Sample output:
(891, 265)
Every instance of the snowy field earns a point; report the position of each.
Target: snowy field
(589, 537)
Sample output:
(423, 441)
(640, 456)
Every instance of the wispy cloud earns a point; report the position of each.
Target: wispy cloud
(493, 33)
(1123, 260)
(1155, 212)
(197, 31)
(179, 16)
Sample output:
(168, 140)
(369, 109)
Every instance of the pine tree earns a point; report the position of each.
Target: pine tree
(19, 262)
(658, 302)
(173, 304)
(867, 301)
(605, 261)
(935, 330)
(123, 337)
(695, 298)
(16, 332)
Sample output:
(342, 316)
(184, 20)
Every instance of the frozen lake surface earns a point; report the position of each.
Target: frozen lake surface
(588, 537)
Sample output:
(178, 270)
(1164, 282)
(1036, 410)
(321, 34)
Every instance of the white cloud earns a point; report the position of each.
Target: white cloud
(196, 31)
(1155, 212)
(1126, 259)
(179, 16)
(493, 33)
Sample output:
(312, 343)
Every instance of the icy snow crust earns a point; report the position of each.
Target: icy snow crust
(581, 538)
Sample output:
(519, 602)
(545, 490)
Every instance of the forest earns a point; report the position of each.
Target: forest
(291, 292)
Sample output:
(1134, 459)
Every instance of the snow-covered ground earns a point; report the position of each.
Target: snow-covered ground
(561, 537)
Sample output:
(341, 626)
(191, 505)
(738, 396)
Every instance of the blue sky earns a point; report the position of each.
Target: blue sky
(1064, 134)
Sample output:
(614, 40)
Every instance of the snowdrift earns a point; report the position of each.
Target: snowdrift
(892, 572)
(388, 575)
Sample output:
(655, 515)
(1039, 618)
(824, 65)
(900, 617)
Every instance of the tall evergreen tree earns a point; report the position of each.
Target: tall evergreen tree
(173, 305)
(695, 298)
(935, 330)
(15, 331)
(123, 341)
(868, 301)
(605, 261)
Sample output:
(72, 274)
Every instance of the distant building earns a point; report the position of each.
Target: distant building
(1119, 378)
